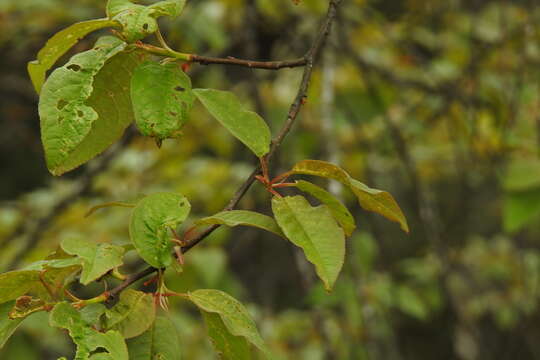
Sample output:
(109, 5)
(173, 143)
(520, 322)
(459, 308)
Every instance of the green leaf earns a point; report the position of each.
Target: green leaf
(315, 231)
(338, 210)
(133, 314)
(87, 339)
(139, 21)
(521, 208)
(160, 341)
(411, 303)
(58, 45)
(162, 98)
(85, 105)
(151, 223)
(16, 283)
(246, 126)
(7, 325)
(171, 8)
(96, 259)
(228, 346)
(370, 199)
(242, 217)
(234, 315)
(91, 313)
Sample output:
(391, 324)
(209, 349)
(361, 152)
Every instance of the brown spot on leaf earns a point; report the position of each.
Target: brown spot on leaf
(179, 88)
(61, 103)
(74, 67)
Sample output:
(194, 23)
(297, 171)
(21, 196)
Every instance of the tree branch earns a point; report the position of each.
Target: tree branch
(310, 58)
(206, 60)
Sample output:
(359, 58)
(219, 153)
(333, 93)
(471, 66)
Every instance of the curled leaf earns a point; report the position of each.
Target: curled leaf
(151, 223)
(162, 98)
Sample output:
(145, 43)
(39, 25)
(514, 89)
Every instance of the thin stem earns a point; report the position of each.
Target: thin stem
(309, 60)
(207, 60)
(161, 40)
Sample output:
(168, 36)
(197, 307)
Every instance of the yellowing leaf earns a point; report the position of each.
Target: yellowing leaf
(246, 126)
(315, 231)
(59, 44)
(370, 199)
(16, 283)
(338, 210)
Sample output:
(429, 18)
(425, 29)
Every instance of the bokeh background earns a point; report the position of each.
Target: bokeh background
(436, 102)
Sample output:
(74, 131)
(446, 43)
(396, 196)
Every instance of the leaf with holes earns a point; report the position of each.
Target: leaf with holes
(133, 314)
(160, 341)
(242, 217)
(162, 98)
(246, 126)
(315, 230)
(96, 259)
(233, 314)
(370, 199)
(59, 44)
(151, 223)
(87, 339)
(338, 210)
(138, 21)
(85, 105)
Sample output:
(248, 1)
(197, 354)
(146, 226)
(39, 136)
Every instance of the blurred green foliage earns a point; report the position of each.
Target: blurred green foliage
(436, 102)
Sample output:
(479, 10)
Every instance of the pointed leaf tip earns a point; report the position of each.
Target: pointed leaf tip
(370, 199)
